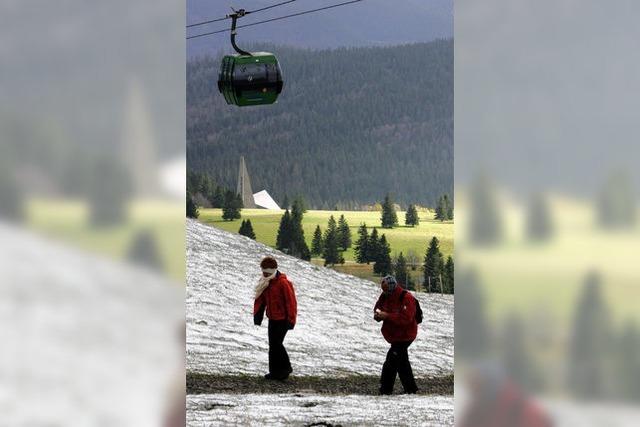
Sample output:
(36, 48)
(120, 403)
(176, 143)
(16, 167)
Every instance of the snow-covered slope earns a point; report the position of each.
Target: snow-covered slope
(335, 333)
(86, 340)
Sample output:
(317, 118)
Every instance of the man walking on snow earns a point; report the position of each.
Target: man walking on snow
(275, 294)
(396, 308)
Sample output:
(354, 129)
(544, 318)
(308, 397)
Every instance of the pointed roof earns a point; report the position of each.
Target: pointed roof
(244, 186)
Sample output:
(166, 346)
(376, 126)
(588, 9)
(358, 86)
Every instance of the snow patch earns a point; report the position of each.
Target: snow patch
(302, 409)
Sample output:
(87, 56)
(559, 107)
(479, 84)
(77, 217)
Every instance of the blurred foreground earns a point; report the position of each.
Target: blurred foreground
(92, 213)
(547, 238)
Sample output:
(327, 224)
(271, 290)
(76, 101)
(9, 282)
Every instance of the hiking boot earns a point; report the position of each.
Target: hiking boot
(414, 391)
(271, 376)
(282, 377)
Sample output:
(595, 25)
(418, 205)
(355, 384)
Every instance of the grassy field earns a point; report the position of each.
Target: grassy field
(546, 278)
(402, 239)
(67, 220)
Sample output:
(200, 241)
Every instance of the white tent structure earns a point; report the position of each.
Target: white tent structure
(262, 199)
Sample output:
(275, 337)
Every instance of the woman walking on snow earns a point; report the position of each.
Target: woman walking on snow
(275, 294)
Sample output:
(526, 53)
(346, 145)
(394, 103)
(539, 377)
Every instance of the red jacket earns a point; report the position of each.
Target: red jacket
(401, 324)
(511, 407)
(279, 299)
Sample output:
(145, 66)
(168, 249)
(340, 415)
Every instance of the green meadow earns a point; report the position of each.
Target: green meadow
(68, 221)
(545, 279)
(401, 238)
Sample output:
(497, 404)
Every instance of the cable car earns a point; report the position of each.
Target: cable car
(250, 79)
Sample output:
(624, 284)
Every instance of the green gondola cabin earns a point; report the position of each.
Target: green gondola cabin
(254, 79)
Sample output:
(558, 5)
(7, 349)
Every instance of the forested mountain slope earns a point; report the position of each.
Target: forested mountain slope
(351, 125)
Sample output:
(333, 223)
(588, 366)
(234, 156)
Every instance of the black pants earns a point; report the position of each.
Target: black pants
(397, 363)
(279, 364)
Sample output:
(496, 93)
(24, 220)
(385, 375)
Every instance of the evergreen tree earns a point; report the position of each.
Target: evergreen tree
(317, 244)
(298, 247)
(442, 208)
(617, 207)
(627, 363)
(300, 204)
(283, 239)
(344, 234)
(411, 216)
(389, 217)
(589, 343)
(401, 272)
(144, 251)
(516, 358)
(331, 253)
(374, 246)
(471, 327)
(246, 229)
(362, 245)
(204, 190)
(218, 198)
(297, 211)
(539, 226)
(449, 208)
(448, 277)
(486, 222)
(192, 209)
(433, 266)
(383, 264)
(232, 206)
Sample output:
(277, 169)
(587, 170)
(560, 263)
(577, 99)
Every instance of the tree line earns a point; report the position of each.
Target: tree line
(389, 218)
(203, 192)
(438, 274)
(290, 238)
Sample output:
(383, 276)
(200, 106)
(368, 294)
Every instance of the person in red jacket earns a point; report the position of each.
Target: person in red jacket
(275, 294)
(497, 401)
(396, 308)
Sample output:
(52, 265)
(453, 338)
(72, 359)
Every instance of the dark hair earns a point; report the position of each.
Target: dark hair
(268, 262)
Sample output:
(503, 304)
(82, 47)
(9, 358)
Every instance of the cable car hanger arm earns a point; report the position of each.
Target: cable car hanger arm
(234, 20)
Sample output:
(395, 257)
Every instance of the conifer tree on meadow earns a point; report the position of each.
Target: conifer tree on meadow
(374, 246)
(317, 243)
(432, 266)
(192, 208)
(331, 253)
(246, 229)
(344, 234)
(411, 216)
(389, 217)
(383, 264)
(362, 245)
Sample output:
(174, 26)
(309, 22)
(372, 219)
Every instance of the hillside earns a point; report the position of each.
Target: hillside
(350, 126)
(335, 335)
(88, 340)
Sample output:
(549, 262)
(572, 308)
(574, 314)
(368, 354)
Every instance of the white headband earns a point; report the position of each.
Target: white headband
(269, 270)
